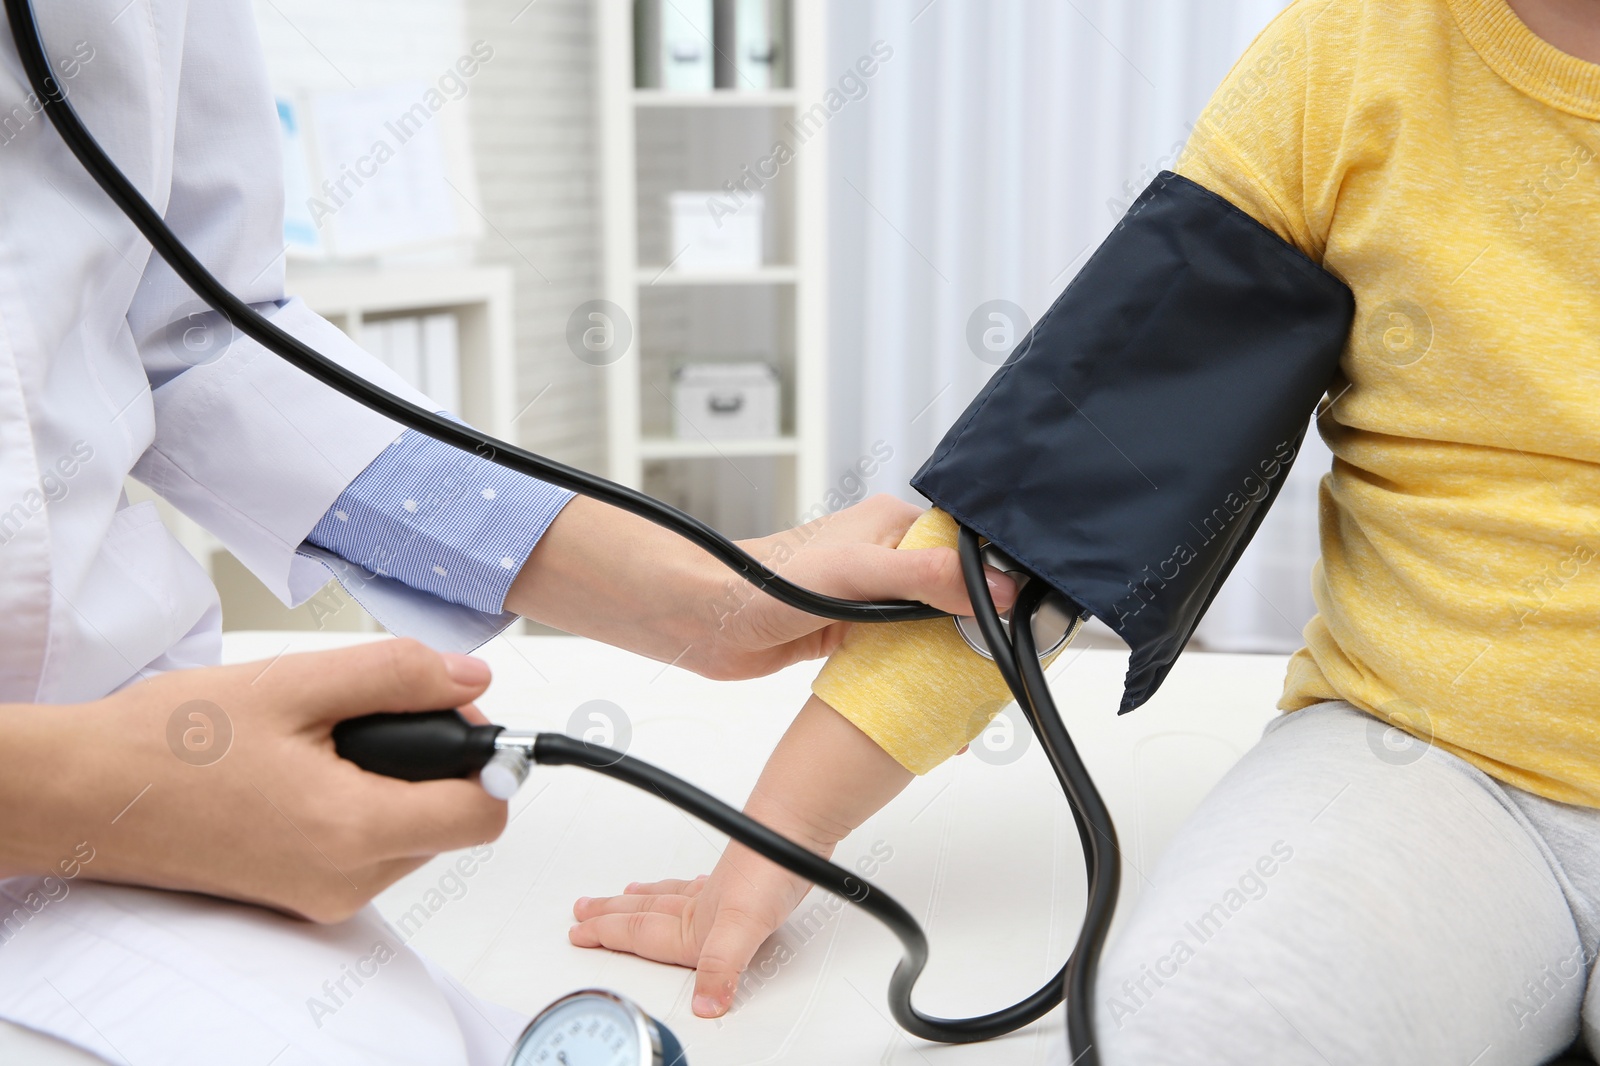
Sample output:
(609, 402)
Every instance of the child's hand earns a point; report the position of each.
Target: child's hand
(714, 924)
(824, 779)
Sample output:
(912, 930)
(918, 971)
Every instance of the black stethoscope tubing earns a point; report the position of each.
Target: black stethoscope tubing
(1015, 655)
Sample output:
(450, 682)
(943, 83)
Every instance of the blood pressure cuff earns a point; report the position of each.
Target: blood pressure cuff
(1130, 446)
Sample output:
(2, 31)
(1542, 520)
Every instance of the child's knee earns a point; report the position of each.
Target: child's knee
(1183, 1004)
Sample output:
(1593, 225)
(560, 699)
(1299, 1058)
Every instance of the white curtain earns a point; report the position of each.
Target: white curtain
(983, 161)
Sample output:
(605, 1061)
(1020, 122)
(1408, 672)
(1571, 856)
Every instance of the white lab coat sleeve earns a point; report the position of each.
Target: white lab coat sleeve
(251, 448)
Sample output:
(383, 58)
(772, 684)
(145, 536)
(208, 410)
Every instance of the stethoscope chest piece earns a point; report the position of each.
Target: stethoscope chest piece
(1054, 624)
(595, 1027)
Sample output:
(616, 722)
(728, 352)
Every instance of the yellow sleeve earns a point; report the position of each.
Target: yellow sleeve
(1274, 139)
(915, 688)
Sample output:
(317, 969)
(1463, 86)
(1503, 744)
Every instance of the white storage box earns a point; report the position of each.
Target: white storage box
(723, 401)
(713, 231)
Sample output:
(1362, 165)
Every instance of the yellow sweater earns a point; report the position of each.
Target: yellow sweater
(1441, 159)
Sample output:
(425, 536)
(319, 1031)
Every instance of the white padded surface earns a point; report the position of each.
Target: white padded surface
(984, 855)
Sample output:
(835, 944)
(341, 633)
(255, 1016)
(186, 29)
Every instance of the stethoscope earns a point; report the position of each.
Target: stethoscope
(438, 744)
(594, 1027)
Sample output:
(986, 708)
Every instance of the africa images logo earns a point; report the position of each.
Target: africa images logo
(199, 732)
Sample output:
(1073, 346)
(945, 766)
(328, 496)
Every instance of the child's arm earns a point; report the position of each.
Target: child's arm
(893, 701)
(823, 780)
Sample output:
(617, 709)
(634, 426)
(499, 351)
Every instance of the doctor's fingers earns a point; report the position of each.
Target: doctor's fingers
(930, 575)
(391, 819)
(879, 519)
(386, 675)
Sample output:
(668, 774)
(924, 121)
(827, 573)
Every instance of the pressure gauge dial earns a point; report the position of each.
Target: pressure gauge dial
(596, 1028)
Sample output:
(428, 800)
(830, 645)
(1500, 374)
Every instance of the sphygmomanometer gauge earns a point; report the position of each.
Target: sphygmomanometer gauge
(596, 1028)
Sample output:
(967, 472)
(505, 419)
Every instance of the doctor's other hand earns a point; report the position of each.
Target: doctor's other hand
(603, 573)
(224, 780)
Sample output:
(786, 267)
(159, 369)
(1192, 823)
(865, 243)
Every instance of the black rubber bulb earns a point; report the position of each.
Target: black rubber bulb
(416, 745)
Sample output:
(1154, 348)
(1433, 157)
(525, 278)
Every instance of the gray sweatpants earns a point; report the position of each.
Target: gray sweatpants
(1349, 895)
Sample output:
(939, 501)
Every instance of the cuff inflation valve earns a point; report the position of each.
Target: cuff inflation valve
(1130, 446)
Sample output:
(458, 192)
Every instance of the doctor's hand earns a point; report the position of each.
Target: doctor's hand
(224, 780)
(603, 573)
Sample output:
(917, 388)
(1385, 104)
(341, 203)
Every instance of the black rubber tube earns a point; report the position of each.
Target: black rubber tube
(988, 617)
(557, 749)
(1100, 842)
(244, 318)
(1025, 677)
(432, 745)
(1000, 647)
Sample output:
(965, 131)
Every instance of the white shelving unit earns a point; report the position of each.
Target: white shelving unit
(649, 139)
(764, 275)
(481, 300)
(479, 297)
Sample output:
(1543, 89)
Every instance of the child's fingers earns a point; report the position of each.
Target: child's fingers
(657, 937)
(672, 904)
(670, 885)
(733, 940)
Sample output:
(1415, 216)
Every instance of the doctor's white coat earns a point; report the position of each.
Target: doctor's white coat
(108, 367)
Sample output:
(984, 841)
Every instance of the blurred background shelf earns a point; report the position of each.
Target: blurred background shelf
(772, 274)
(479, 297)
(714, 98)
(673, 448)
(653, 143)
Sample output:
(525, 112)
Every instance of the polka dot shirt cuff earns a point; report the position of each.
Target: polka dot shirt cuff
(441, 521)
